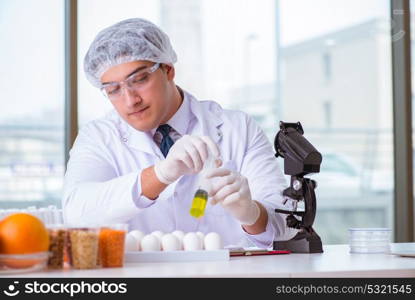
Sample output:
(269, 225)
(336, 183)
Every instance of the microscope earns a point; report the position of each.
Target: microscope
(300, 159)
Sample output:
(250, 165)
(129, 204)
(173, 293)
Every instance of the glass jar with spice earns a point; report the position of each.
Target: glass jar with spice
(111, 245)
(83, 247)
(57, 235)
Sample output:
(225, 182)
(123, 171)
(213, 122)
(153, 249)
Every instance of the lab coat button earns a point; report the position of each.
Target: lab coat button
(124, 140)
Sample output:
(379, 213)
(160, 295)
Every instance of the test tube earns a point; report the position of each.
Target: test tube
(200, 198)
(199, 203)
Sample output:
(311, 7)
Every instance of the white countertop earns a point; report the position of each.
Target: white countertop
(336, 261)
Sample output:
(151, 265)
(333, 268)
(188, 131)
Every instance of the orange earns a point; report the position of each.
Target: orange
(23, 234)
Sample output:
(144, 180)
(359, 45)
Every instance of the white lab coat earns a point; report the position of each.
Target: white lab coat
(102, 181)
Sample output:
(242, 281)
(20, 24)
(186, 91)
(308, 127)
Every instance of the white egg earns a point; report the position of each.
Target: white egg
(170, 242)
(213, 241)
(138, 235)
(180, 235)
(201, 237)
(130, 243)
(159, 234)
(150, 242)
(191, 242)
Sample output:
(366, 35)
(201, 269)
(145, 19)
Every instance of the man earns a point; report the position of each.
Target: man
(141, 163)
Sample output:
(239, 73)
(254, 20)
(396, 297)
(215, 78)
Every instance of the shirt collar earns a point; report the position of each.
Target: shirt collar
(181, 119)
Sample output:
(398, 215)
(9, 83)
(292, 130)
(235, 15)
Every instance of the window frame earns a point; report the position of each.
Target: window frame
(402, 121)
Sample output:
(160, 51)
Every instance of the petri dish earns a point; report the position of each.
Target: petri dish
(369, 240)
(22, 263)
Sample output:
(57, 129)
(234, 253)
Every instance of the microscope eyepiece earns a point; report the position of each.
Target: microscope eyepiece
(300, 157)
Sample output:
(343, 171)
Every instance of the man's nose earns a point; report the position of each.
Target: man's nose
(131, 97)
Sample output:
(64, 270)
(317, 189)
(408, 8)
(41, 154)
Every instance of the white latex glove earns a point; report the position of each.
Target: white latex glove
(231, 190)
(186, 156)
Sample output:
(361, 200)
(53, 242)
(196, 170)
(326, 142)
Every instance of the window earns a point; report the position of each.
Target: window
(324, 63)
(31, 115)
(327, 66)
(340, 50)
(336, 75)
(327, 111)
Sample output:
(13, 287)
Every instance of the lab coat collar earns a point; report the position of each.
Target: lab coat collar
(181, 119)
(208, 123)
(141, 140)
(208, 120)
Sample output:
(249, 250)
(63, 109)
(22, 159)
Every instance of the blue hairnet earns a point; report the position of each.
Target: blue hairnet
(127, 41)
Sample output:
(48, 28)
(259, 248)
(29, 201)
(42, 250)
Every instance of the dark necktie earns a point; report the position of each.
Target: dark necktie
(166, 141)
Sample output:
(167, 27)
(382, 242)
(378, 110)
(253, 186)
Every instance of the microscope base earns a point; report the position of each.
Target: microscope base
(302, 242)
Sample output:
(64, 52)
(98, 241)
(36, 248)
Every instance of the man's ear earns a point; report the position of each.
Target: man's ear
(170, 72)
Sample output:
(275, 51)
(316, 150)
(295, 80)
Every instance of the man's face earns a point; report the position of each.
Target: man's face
(147, 107)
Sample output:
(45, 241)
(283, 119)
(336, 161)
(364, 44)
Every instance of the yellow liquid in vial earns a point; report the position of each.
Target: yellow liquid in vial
(199, 204)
